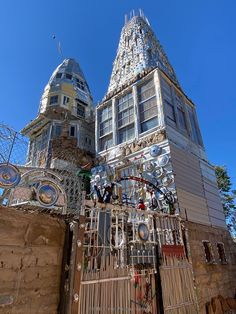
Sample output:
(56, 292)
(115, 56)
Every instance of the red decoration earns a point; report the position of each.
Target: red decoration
(173, 250)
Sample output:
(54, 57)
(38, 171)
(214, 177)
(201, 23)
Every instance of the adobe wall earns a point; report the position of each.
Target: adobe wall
(31, 247)
(212, 279)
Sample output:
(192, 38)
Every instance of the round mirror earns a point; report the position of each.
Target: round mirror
(143, 232)
(47, 194)
(9, 176)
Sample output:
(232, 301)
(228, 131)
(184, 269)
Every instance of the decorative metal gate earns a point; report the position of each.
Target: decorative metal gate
(134, 262)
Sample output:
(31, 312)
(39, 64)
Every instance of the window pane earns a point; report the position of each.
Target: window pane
(193, 127)
(148, 109)
(170, 111)
(68, 76)
(182, 120)
(125, 117)
(106, 142)
(65, 100)
(166, 90)
(146, 91)
(147, 125)
(147, 105)
(106, 127)
(57, 130)
(80, 111)
(105, 113)
(58, 75)
(72, 131)
(126, 133)
(53, 99)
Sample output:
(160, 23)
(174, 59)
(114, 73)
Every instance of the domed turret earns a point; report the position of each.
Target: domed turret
(68, 89)
(65, 116)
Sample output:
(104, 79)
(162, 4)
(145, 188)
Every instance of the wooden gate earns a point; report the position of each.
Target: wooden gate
(178, 291)
(115, 291)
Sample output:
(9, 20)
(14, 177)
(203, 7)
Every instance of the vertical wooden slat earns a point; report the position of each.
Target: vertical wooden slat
(78, 264)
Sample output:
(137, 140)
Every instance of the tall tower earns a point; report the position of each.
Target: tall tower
(147, 127)
(62, 135)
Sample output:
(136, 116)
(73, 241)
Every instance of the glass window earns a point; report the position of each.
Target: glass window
(65, 100)
(58, 75)
(170, 111)
(147, 106)
(80, 111)
(80, 84)
(105, 120)
(53, 100)
(195, 135)
(147, 125)
(106, 142)
(72, 131)
(125, 108)
(166, 90)
(68, 76)
(126, 133)
(182, 118)
(221, 252)
(57, 130)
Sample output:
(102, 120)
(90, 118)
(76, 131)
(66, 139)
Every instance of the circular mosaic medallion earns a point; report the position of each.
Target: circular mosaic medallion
(150, 166)
(9, 176)
(155, 150)
(163, 160)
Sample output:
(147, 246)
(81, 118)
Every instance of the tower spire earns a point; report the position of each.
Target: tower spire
(138, 50)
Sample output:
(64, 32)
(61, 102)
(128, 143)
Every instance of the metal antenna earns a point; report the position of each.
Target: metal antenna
(59, 48)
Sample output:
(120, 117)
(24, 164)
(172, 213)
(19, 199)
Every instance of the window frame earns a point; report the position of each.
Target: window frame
(77, 110)
(54, 102)
(64, 103)
(103, 120)
(102, 139)
(75, 130)
(144, 101)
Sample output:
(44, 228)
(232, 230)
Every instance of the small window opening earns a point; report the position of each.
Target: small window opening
(68, 76)
(72, 131)
(221, 252)
(80, 111)
(208, 252)
(80, 84)
(65, 100)
(54, 100)
(58, 75)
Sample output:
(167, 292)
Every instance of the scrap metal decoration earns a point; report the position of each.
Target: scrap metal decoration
(9, 176)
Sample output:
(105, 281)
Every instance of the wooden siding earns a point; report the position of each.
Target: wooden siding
(217, 217)
(197, 189)
(189, 184)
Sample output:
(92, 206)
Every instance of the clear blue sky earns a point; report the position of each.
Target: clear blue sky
(197, 35)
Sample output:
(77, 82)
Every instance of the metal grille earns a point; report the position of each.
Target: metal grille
(14, 150)
(13, 146)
